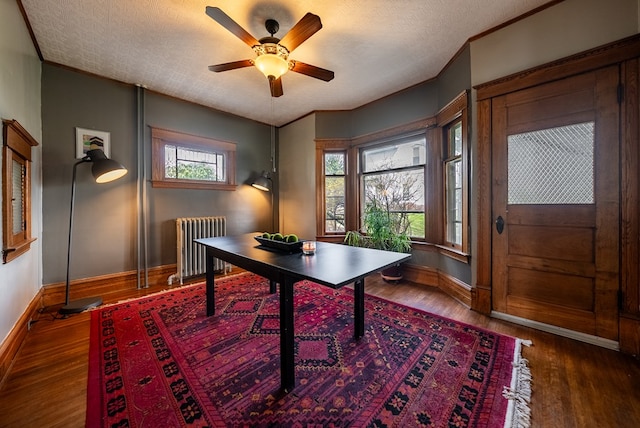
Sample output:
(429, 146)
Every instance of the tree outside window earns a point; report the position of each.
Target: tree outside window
(335, 190)
(393, 180)
(189, 164)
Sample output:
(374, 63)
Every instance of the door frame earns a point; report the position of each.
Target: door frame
(612, 54)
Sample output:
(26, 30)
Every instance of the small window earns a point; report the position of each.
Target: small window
(335, 191)
(191, 164)
(16, 190)
(452, 121)
(188, 161)
(453, 185)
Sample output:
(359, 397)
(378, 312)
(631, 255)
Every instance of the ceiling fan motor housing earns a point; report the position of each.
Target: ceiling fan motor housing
(272, 26)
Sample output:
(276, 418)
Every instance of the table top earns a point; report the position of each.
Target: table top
(333, 265)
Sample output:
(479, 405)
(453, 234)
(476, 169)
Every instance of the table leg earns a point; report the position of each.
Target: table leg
(287, 363)
(211, 301)
(358, 308)
(273, 286)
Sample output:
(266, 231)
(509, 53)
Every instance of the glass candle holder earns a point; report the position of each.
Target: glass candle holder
(309, 247)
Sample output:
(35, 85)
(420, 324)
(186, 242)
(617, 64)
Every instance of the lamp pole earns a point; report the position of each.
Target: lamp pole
(89, 302)
(104, 170)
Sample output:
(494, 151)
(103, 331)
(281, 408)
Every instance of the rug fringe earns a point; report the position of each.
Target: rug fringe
(519, 392)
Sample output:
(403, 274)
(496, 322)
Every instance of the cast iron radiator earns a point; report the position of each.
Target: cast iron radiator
(191, 256)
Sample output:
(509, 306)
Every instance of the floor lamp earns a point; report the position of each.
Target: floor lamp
(265, 184)
(103, 170)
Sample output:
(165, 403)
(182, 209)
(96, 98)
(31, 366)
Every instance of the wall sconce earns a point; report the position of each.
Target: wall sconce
(265, 183)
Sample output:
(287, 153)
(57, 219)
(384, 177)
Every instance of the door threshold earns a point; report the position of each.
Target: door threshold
(576, 335)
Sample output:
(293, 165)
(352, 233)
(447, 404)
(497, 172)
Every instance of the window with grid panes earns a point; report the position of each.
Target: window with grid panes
(335, 191)
(188, 161)
(453, 184)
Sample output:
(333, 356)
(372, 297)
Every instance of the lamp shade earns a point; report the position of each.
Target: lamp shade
(105, 169)
(272, 59)
(263, 182)
(272, 65)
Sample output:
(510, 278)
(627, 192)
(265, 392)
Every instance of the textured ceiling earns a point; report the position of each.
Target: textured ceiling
(375, 47)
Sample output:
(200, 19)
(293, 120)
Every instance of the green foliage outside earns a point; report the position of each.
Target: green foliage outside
(416, 224)
(191, 171)
(334, 164)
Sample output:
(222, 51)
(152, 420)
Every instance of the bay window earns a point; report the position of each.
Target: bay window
(417, 172)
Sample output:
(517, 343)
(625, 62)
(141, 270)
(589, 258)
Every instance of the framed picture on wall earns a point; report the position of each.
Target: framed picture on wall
(88, 139)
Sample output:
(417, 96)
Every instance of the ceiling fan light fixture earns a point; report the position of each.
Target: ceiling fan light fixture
(272, 53)
(272, 59)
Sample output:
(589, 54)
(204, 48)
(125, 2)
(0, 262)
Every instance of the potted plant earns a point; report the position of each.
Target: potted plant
(382, 231)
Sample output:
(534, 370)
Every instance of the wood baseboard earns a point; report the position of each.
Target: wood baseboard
(481, 300)
(455, 288)
(420, 274)
(101, 285)
(432, 277)
(630, 335)
(10, 346)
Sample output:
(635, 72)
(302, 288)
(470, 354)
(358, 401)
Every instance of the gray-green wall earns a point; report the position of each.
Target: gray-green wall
(105, 218)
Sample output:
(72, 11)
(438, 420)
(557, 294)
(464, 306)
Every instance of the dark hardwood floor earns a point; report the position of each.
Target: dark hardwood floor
(574, 384)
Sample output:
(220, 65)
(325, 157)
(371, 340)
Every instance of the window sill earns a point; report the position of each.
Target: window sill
(11, 253)
(192, 185)
(453, 253)
(416, 245)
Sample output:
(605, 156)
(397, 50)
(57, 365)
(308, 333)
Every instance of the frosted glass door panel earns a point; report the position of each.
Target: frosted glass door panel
(552, 166)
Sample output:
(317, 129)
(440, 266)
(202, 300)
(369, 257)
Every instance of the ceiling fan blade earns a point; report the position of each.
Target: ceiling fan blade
(275, 85)
(223, 19)
(312, 71)
(305, 28)
(231, 65)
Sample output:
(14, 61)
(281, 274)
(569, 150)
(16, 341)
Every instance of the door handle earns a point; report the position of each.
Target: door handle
(499, 224)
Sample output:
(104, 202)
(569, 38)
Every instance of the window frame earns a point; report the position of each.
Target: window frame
(332, 146)
(452, 114)
(17, 144)
(160, 138)
(353, 197)
(386, 142)
(324, 199)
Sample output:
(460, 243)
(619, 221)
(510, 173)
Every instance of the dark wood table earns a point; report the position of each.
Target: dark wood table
(333, 265)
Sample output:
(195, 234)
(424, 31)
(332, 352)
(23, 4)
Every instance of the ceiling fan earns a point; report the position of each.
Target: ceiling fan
(273, 53)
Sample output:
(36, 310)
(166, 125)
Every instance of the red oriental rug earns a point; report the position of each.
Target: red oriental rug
(158, 361)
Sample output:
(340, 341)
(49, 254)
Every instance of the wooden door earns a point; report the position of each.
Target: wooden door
(555, 252)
